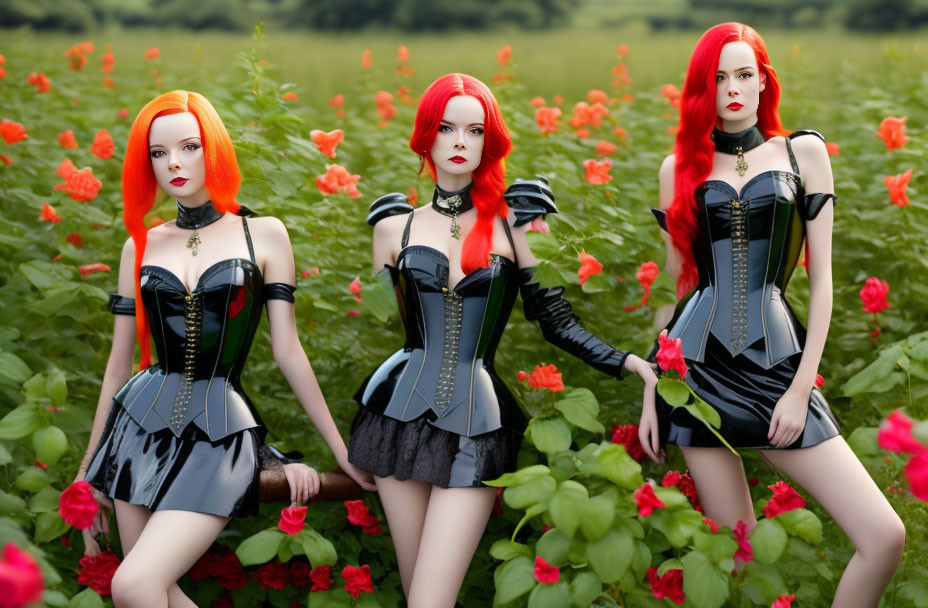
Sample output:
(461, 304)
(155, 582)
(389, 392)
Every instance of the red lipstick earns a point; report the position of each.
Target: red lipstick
(458, 159)
(734, 106)
(179, 181)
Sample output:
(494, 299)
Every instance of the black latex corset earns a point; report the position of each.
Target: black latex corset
(202, 339)
(446, 365)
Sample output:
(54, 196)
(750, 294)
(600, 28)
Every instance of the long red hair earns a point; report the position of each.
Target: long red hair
(489, 177)
(694, 148)
(139, 186)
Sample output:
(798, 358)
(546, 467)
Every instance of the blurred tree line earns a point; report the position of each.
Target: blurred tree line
(440, 15)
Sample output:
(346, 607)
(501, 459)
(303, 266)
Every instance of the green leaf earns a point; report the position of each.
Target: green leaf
(13, 371)
(505, 550)
(610, 556)
(674, 392)
(32, 479)
(318, 549)
(580, 407)
(920, 432)
(915, 590)
(285, 550)
(45, 275)
(50, 445)
(57, 387)
(802, 523)
(259, 548)
(762, 584)
(521, 476)
(553, 546)
(550, 435)
(598, 517)
(380, 297)
(5, 456)
(703, 584)
(874, 377)
(332, 598)
(863, 441)
(513, 579)
(88, 598)
(10, 504)
(768, 540)
(585, 588)
(556, 595)
(677, 526)
(567, 506)
(49, 526)
(55, 599)
(19, 423)
(536, 491)
(617, 466)
(45, 500)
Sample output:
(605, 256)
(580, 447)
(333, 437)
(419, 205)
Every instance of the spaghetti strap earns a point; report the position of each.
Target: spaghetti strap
(792, 157)
(405, 240)
(251, 249)
(515, 256)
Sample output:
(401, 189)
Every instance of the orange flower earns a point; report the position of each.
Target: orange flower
(537, 102)
(597, 172)
(92, 268)
(545, 376)
(832, 148)
(673, 95)
(413, 198)
(383, 98)
(605, 148)
(546, 119)
(81, 185)
(385, 107)
(291, 96)
(12, 132)
(338, 180)
(355, 286)
(123, 113)
(102, 146)
(66, 168)
(620, 133)
(503, 77)
(366, 62)
(405, 70)
(583, 133)
(67, 140)
(2, 73)
(326, 142)
(627, 98)
(109, 83)
(337, 101)
(86, 47)
(504, 55)
(49, 214)
(153, 53)
(107, 60)
(41, 82)
(622, 51)
(76, 58)
(897, 185)
(588, 267)
(597, 96)
(5, 160)
(2, 60)
(892, 132)
(75, 239)
(558, 100)
(402, 54)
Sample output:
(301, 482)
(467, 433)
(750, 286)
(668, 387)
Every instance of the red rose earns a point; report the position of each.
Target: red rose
(102, 146)
(784, 601)
(687, 487)
(67, 139)
(498, 503)
(298, 573)
(896, 434)
(321, 577)
(97, 571)
(785, 498)
(12, 131)
(360, 515)
(292, 520)
(200, 570)
(80, 185)
(627, 435)
(646, 500)
(227, 570)
(271, 574)
(745, 552)
(916, 471)
(873, 295)
(671, 478)
(670, 355)
(546, 376)
(224, 601)
(20, 578)
(712, 525)
(77, 506)
(819, 380)
(546, 573)
(357, 580)
(669, 586)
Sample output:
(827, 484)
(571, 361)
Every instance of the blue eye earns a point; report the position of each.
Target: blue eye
(719, 77)
(191, 147)
(745, 75)
(444, 129)
(157, 153)
(476, 131)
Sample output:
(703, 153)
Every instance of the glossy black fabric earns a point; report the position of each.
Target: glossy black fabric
(120, 305)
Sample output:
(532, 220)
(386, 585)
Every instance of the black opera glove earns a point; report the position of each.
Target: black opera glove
(562, 328)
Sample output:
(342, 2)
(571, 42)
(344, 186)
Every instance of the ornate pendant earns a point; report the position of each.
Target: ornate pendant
(454, 203)
(194, 241)
(455, 228)
(741, 166)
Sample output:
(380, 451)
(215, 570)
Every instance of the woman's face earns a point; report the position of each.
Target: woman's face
(177, 157)
(738, 86)
(458, 144)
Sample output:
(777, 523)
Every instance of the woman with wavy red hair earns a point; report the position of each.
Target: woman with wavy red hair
(435, 420)
(176, 446)
(738, 196)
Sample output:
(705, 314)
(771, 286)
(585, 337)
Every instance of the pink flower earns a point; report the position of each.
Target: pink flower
(545, 573)
(20, 578)
(896, 434)
(784, 601)
(292, 520)
(669, 586)
(873, 295)
(785, 498)
(539, 225)
(646, 500)
(670, 355)
(744, 553)
(916, 471)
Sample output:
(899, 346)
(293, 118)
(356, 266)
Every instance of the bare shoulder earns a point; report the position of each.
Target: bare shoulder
(390, 226)
(666, 179)
(809, 146)
(267, 226)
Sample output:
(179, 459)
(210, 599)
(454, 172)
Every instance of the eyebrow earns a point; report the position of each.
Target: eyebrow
(473, 124)
(181, 141)
(741, 69)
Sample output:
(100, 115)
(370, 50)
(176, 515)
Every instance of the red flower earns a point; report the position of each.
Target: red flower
(123, 113)
(597, 172)
(588, 267)
(338, 180)
(498, 503)
(712, 525)
(107, 60)
(671, 478)
(745, 552)
(77, 506)
(80, 185)
(605, 148)
(5, 160)
(596, 96)
(337, 101)
(353, 313)
(819, 380)
(646, 500)
(41, 465)
(66, 168)
(784, 601)
(227, 570)
(76, 58)
(49, 214)
(620, 133)
(896, 434)
(360, 515)
(670, 355)
(289, 96)
(292, 520)
(558, 100)
(12, 132)
(102, 146)
(41, 82)
(892, 132)
(224, 601)
(582, 133)
(87, 269)
(413, 198)
(75, 239)
(627, 435)
(672, 94)
(357, 580)
(546, 119)
(546, 376)
(545, 573)
(402, 54)
(109, 83)
(67, 139)
(622, 50)
(321, 577)
(897, 185)
(153, 53)
(785, 498)
(875, 333)
(366, 62)
(753, 481)
(647, 273)
(873, 295)
(687, 487)
(537, 102)
(504, 55)
(832, 148)
(916, 471)
(669, 586)
(326, 142)
(355, 288)
(20, 577)
(271, 574)
(97, 571)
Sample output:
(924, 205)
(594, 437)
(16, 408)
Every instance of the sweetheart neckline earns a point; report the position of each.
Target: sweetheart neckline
(495, 256)
(740, 193)
(204, 273)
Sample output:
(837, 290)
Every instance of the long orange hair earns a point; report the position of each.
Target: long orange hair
(139, 186)
(489, 177)
(698, 116)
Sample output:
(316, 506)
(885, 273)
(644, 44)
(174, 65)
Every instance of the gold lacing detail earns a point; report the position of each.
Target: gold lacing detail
(449, 363)
(739, 268)
(193, 322)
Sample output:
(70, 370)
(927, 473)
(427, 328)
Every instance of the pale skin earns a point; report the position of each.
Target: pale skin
(829, 471)
(169, 542)
(434, 556)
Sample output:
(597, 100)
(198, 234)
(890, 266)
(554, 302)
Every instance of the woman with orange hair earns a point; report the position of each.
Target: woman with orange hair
(176, 447)
(435, 420)
(738, 196)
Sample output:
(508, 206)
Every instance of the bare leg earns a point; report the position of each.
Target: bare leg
(454, 523)
(170, 543)
(404, 503)
(720, 482)
(832, 474)
(131, 520)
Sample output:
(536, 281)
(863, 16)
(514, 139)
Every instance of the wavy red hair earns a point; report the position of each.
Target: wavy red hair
(694, 148)
(489, 177)
(139, 186)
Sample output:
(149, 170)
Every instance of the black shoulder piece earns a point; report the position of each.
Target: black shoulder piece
(661, 216)
(244, 211)
(796, 134)
(120, 305)
(810, 204)
(530, 198)
(387, 205)
(278, 291)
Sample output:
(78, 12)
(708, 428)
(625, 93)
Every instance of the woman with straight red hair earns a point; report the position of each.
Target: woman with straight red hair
(176, 446)
(435, 420)
(738, 196)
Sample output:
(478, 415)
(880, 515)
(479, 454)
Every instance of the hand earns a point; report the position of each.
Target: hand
(645, 370)
(303, 481)
(101, 522)
(648, 429)
(789, 418)
(364, 478)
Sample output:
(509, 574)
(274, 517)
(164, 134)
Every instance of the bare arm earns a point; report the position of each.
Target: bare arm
(672, 265)
(387, 239)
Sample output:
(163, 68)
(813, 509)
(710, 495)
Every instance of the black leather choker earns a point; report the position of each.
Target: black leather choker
(729, 143)
(194, 218)
(453, 204)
